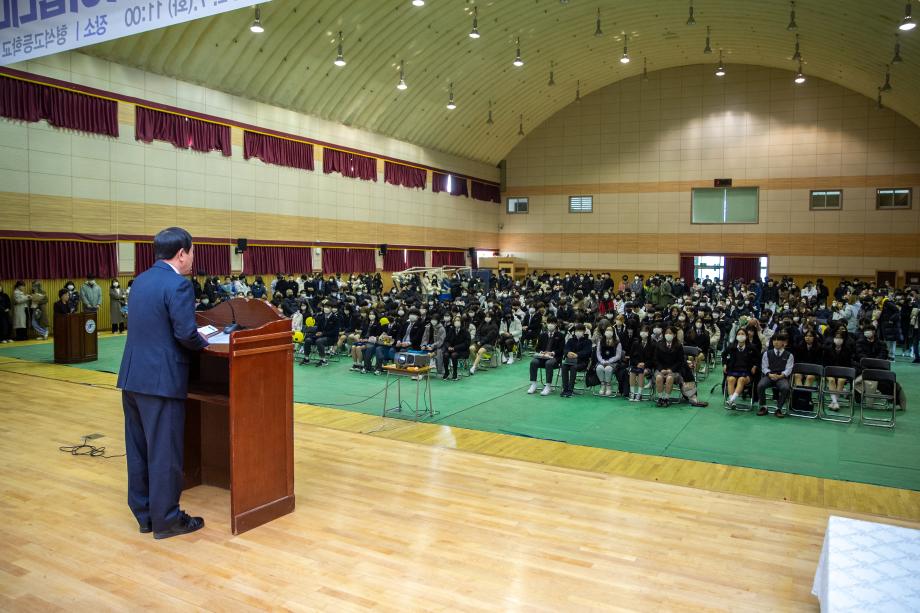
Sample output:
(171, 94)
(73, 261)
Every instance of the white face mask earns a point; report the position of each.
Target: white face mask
(669, 337)
(608, 334)
(487, 319)
(869, 333)
(579, 334)
(400, 312)
(838, 341)
(643, 334)
(741, 338)
(70, 288)
(698, 325)
(551, 327)
(606, 296)
(656, 331)
(531, 310)
(681, 318)
(115, 284)
(413, 318)
(327, 310)
(457, 324)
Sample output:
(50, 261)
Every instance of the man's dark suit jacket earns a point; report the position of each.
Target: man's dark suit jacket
(161, 334)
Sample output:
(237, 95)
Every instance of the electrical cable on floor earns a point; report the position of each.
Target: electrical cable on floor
(26, 374)
(89, 450)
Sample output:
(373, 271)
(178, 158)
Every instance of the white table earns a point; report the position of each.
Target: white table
(867, 567)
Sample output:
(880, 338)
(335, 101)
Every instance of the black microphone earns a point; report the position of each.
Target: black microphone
(233, 326)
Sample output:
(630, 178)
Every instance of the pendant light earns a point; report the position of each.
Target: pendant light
(645, 69)
(521, 127)
(708, 47)
(518, 62)
(793, 26)
(624, 59)
(690, 20)
(897, 50)
(799, 76)
(887, 86)
(552, 80)
(256, 26)
(797, 55)
(720, 70)
(450, 98)
(907, 24)
(340, 57)
(474, 33)
(578, 92)
(401, 86)
(597, 24)
(418, 2)
(489, 121)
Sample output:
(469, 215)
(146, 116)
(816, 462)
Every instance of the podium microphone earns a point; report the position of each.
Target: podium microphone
(233, 326)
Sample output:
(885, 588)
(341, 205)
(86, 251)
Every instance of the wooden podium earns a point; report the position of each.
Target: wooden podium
(75, 338)
(239, 420)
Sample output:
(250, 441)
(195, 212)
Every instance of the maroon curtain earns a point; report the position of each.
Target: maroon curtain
(279, 151)
(686, 269)
(744, 268)
(349, 165)
(260, 260)
(406, 176)
(183, 132)
(415, 258)
(38, 259)
(486, 191)
(447, 258)
(348, 260)
(143, 257)
(457, 184)
(395, 260)
(61, 108)
(212, 259)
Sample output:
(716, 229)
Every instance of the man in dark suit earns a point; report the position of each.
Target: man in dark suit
(154, 378)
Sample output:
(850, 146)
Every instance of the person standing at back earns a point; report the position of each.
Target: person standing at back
(91, 294)
(154, 380)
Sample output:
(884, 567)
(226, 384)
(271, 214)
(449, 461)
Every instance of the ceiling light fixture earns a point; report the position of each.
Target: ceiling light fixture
(897, 50)
(418, 2)
(793, 26)
(625, 58)
(256, 26)
(518, 62)
(521, 127)
(402, 76)
(887, 86)
(578, 92)
(552, 80)
(690, 20)
(799, 76)
(474, 33)
(720, 70)
(907, 24)
(489, 121)
(597, 24)
(645, 69)
(340, 57)
(797, 56)
(708, 47)
(450, 98)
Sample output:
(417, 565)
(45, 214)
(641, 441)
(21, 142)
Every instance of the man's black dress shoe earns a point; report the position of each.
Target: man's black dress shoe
(183, 525)
(146, 529)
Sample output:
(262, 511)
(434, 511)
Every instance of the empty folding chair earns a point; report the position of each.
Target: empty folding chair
(843, 413)
(875, 399)
(812, 391)
(874, 363)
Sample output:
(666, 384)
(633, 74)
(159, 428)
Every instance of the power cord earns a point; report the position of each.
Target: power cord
(89, 450)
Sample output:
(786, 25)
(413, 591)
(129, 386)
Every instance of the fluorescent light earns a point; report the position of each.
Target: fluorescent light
(418, 2)
(625, 58)
(799, 76)
(518, 62)
(402, 77)
(450, 98)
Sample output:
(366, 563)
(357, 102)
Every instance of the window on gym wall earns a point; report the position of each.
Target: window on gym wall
(893, 198)
(713, 267)
(581, 204)
(518, 205)
(826, 200)
(724, 205)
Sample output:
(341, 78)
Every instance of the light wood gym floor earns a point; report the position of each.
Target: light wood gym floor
(401, 525)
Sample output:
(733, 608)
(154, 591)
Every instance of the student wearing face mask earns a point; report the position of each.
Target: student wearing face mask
(484, 341)
(457, 346)
(576, 353)
(433, 340)
(548, 353)
(409, 332)
(118, 303)
(838, 353)
(91, 294)
(809, 351)
(776, 366)
(669, 360)
(739, 365)
(367, 344)
(532, 323)
(509, 335)
(869, 346)
(326, 334)
(642, 362)
(608, 355)
(697, 336)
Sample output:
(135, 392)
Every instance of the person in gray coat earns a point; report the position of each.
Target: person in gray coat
(90, 294)
(118, 300)
(39, 300)
(20, 304)
(433, 340)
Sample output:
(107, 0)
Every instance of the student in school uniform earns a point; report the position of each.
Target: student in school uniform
(809, 351)
(433, 340)
(838, 353)
(609, 352)
(457, 345)
(548, 354)
(642, 362)
(669, 360)
(576, 353)
(486, 336)
(776, 366)
(509, 335)
(739, 365)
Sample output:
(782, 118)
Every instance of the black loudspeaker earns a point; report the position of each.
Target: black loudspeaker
(241, 245)
(503, 175)
(472, 251)
(383, 249)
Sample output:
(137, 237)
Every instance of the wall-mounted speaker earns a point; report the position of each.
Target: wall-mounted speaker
(503, 175)
(383, 250)
(241, 245)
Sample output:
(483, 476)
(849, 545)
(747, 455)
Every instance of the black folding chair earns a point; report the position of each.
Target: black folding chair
(877, 399)
(814, 391)
(846, 394)
(874, 364)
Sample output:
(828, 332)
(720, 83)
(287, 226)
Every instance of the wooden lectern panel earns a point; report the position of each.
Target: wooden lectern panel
(74, 340)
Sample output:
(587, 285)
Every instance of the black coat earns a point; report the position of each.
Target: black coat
(554, 344)
(669, 358)
(641, 353)
(804, 355)
(458, 339)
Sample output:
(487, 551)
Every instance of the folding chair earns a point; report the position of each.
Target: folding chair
(838, 372)
(701, 370)
(878, 400)
(806, 370)
(676, 387)
(745, 402)
(874, 364)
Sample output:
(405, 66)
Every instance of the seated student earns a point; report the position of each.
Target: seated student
(376, 333)
(608, 355)
(457, 345)
(385, 347)
(642, 361)
(509, 335)
(776, 366)
(868, 346)
(739, 364)
(326, 334)
(532, 323)
(433, 340)
(809, 351)
(837, 354)
(697, 336)
(576, 353)
(352, 323)
(409, 333)
(669, 360)
(486, 335)
(547, 354)
(359, 340)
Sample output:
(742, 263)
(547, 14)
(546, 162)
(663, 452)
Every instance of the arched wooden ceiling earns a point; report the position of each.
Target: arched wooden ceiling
(848, 42)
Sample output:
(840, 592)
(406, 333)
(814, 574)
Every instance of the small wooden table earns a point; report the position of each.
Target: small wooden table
(419, 373)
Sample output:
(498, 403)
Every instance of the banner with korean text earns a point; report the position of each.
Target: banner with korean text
(33, 28)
